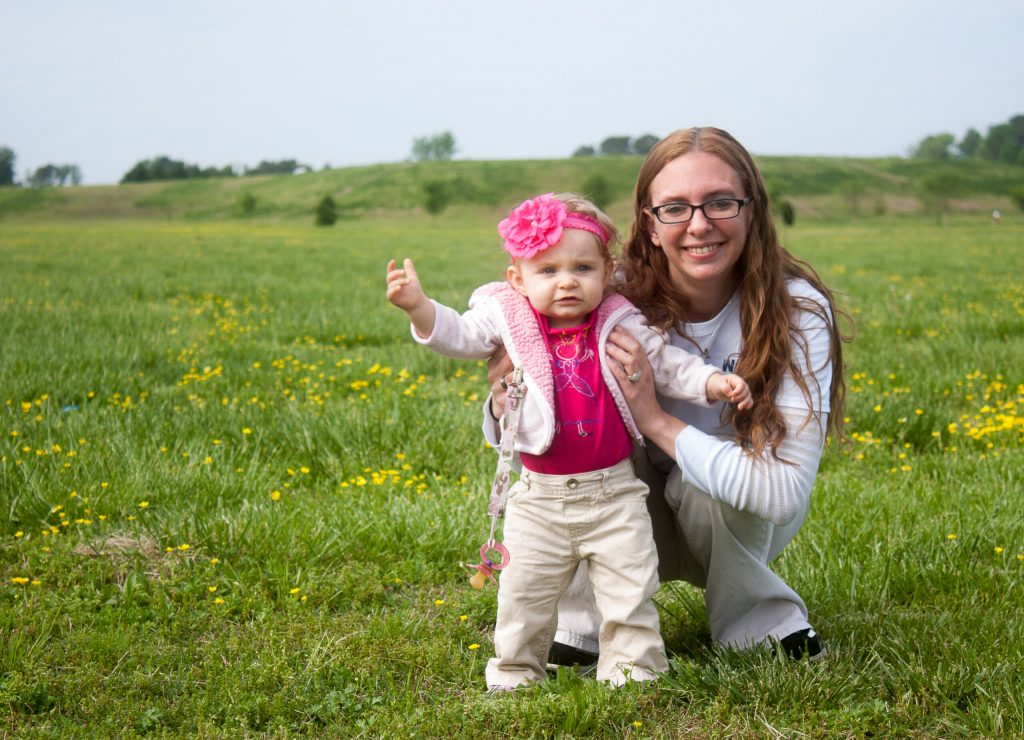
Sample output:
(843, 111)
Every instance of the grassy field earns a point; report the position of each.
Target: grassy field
(234, 495)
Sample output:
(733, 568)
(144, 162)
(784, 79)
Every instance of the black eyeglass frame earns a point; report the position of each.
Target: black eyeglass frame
(694, 208)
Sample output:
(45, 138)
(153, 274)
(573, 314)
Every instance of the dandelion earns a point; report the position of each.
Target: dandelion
(19, 533)
(184, 546)
(475, 646)
(21, 581)
(304, 470)
(295, 590)
(218, 600)
(212, 589)
(143, 504)
(246, 431)
(36, 582)
(951, 536)
(275, 495)
(214, 561)
(463, 617)
(438, 602)
(638, 724)
(997, 550)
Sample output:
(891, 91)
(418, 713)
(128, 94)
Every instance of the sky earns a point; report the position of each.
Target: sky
(107, 83)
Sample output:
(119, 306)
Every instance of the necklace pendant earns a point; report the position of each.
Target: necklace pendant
(705, 355)
(579, 428)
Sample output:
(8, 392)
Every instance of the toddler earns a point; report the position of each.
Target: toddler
(577, 498)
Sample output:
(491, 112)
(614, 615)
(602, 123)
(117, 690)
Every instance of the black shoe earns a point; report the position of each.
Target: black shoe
(568, 655)
(802, 643)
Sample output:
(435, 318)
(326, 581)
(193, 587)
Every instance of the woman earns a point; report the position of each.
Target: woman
(703, 261)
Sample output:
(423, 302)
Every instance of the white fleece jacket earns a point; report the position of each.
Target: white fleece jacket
(498, 315)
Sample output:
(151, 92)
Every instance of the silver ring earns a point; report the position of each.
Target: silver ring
(634, 378)
(504, 383)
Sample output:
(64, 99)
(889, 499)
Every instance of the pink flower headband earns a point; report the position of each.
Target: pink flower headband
(537, 223)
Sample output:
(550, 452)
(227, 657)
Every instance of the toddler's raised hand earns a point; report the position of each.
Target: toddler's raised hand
(731, 388)
(404, 289)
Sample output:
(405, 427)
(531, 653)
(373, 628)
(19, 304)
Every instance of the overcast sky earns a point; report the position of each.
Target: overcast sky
(104, 84)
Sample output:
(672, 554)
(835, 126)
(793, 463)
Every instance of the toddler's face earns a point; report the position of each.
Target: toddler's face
(564, 282)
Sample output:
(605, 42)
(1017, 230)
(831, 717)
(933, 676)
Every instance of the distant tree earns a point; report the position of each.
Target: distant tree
(165, 168)
(936, 189)
(644, 144)
(436, 196)
(326, 212)
(999, 144)
(247, 203)
(43, 177)
(598, 189)
(780, 204)
(1005, 141)
(55, 176)
(615, 145)
(970, 145)
(935, 147)
(7, 158)
(75, 173)
(1017, 196)
(584, 151)
(283, 167)
(439, 147)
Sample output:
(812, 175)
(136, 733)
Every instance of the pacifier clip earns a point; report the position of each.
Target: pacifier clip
(499, 488)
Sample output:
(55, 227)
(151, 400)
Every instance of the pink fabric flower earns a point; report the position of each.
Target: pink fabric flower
(533, 226)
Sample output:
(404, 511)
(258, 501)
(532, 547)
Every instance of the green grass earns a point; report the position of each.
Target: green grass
(234, 495)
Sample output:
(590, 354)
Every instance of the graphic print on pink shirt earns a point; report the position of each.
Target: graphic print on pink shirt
(567, 354)
(589, 432)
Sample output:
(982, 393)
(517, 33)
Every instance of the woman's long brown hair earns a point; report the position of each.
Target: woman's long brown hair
(772, 341)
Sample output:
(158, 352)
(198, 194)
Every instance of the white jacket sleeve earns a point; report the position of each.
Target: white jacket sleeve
(677, 373)
(765, 486)
(473, 335)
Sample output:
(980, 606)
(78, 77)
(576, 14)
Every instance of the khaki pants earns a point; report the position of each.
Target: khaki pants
(715, 547)
(553, 523)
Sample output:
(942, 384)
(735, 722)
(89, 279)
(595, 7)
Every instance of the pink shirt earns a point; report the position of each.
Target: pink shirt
(589, 432)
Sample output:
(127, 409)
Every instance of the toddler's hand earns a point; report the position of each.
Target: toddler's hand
(731, 388)
(404, 289)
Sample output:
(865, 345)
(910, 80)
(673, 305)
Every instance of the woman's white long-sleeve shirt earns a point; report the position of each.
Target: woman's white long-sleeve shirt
(769, 488)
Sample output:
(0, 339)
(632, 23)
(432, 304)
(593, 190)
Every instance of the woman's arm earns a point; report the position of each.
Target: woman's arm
(767, 487)
(770, 488)
(651, 419)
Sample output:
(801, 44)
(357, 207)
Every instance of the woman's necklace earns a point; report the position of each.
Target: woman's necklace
(721, 319)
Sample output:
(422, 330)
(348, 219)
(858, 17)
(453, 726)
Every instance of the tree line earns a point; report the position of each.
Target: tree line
(1004, 142)
(147, 170)
(619, 145)
(165, 168)
(47, 176)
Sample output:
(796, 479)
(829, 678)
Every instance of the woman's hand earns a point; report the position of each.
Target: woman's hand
(636, 380)
(499, 372)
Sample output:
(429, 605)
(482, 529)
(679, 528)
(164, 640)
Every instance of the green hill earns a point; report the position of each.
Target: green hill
(820, 187)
